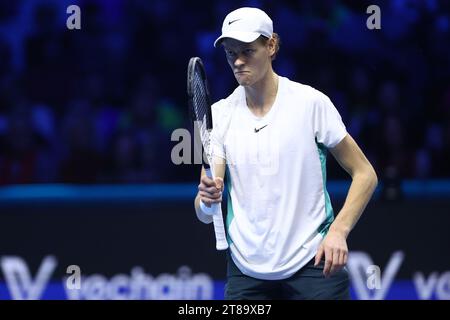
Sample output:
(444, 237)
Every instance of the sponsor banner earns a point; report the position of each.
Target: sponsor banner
(367, 282)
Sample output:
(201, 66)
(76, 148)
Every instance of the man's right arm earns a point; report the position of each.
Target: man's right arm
(210, 191)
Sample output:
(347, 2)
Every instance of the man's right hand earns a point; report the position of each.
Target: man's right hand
(210, 191)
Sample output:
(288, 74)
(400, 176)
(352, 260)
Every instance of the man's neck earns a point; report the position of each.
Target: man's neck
(261, 96)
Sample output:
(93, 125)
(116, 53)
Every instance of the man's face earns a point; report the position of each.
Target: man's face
(248, 61)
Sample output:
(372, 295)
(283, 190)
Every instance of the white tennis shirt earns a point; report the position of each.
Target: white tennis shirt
(278, 207)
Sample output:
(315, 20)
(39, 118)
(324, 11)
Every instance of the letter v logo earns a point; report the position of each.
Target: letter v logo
(358, 264)
(19, 281)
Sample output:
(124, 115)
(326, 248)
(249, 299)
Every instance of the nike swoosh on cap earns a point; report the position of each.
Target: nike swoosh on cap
(230, 22)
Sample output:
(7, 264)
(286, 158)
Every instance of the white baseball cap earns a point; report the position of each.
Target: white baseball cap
(246, 25)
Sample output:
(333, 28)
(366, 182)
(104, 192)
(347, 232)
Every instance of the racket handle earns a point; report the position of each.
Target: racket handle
(219, 228)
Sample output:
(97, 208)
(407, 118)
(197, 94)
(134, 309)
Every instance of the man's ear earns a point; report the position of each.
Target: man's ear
(271, 46)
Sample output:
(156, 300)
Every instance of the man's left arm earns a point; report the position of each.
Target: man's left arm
(364, 181)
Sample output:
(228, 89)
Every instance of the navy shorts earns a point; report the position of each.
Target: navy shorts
(308, 283)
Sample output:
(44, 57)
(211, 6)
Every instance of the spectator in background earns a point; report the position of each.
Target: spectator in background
(21, 146)
(80, 162)
(122, 162)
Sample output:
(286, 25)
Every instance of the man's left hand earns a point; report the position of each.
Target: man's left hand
(334, 247)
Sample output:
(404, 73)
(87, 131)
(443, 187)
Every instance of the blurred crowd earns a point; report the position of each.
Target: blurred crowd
(99, 105)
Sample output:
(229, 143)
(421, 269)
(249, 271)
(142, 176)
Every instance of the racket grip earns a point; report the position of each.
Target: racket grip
(219, 228)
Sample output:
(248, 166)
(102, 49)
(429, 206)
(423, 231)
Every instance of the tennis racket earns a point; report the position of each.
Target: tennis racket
(200, 111)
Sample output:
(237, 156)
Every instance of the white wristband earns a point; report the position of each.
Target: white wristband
(206, 210)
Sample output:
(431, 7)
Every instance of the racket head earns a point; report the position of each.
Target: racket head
(198, 93)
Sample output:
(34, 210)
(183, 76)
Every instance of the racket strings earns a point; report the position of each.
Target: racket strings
(200, 106)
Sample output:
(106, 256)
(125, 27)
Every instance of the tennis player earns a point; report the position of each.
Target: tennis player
(271, 137)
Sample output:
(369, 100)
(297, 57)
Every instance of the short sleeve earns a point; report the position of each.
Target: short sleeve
(328, 126)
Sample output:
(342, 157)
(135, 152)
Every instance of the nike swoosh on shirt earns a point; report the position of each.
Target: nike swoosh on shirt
(257, 130)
